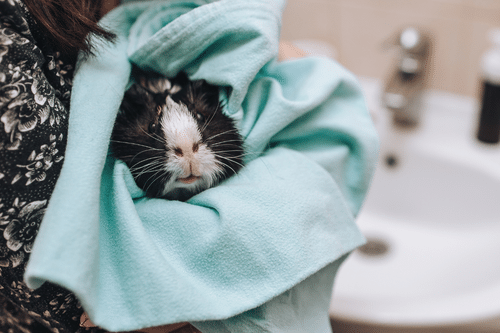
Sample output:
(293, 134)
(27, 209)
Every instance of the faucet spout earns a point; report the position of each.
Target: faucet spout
(406, 83)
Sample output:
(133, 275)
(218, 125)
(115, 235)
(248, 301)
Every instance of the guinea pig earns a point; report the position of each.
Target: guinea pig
(174, 137)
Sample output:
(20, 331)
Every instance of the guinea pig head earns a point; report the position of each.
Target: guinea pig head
(176, 145)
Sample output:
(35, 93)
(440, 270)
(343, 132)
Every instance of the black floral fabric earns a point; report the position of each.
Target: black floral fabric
(35, 87)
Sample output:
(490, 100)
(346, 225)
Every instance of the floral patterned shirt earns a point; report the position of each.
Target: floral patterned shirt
(35, 86)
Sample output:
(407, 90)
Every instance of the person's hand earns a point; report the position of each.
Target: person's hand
(87, 323)
(289, 51)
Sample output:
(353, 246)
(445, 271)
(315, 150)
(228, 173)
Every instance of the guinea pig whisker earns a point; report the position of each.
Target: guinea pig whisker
(147, 162)
(154, 180)
(240, 155)
(242, 152)
(230, 160)
(212, 116)
(132, 157)
(139, 161)
(226, 143)
(225, 165)
(233, 157)
(222, 133)
(149, 167)
(136, 144)
(143, 161)
(154, 137)
(225, 156)
(153, 172)
(154, 176)
(229, 151)
(143, 173)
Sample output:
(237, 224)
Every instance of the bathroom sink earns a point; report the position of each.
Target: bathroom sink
(432, 221)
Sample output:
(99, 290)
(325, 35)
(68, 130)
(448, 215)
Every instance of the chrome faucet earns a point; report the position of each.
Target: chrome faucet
(404, 87)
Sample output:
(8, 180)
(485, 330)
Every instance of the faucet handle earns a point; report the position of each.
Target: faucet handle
(409, 40)
(414, 45)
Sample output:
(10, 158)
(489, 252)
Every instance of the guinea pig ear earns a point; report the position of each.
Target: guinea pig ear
(209, 93)
(134, 99)
(151, 81)
(181, 79)
(138, 75)
(136, 93)
(179, 83)
(153, 88)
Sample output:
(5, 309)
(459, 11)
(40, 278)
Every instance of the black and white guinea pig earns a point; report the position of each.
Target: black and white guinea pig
(174, 137)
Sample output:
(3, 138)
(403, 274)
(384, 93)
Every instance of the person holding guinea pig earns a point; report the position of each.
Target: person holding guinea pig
(39, 44)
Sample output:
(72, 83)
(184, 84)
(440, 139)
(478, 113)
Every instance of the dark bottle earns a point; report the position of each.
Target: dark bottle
(489, 119)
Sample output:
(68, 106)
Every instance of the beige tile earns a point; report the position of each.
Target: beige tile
(481, 16)
(464, 66)
(312, 19)
(437, 8)
(484, 4)
(358, 28)
(475, 44)
(370, 27)
(483, 11)
(363, 31)
(446, 55)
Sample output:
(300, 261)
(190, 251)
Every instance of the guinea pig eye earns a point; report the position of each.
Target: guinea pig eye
(152, 127)
(200, 117)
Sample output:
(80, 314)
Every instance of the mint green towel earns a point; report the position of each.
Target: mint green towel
(252, 254)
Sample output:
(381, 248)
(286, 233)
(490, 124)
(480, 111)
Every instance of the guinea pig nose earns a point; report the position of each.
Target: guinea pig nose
(178, 152)
(186, 148)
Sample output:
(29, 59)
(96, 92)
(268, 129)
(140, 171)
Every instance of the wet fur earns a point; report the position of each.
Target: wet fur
(139, 135)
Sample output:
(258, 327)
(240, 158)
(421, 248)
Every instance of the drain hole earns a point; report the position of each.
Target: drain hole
(374, 248)
(391, 160)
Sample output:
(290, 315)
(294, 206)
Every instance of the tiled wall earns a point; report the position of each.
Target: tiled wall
(358, 28)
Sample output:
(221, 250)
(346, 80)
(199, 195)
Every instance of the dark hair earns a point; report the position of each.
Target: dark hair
(68, 23)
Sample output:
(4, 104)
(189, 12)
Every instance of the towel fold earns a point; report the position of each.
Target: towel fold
(281, 226)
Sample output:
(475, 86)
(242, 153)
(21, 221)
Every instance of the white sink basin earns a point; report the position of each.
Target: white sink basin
(432, 219)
